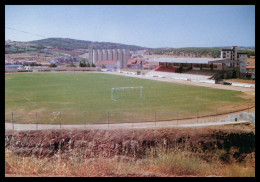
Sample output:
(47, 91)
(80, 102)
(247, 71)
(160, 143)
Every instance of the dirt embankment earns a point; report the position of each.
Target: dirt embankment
(128, 142)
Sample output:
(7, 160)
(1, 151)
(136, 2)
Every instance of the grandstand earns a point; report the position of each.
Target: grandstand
(181, 76)
(165, 68)
(231, 64)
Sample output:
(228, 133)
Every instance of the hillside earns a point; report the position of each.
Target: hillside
(72, 44)
(196, 51)
(49, 49)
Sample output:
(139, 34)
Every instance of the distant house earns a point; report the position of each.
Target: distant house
(27, 68)
(13, 66)
(53, 62)
(250, 69)
(29, 63)
(110, 65)
(62, 60)
(150, 65)
(135, 63)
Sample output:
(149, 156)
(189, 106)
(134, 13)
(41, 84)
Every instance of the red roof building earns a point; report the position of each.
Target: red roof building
(110, 65)
(151, 65)
(107, 62)
(135, 63)
(250, 67)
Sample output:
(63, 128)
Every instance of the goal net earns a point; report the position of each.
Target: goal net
(127, 93)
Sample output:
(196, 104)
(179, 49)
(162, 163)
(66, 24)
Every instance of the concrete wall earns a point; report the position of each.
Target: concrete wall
(241, 117)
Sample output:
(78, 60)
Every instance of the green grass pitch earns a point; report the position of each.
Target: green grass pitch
(86, 97)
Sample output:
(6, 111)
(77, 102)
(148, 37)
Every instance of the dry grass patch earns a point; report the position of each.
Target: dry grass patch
(173, 163)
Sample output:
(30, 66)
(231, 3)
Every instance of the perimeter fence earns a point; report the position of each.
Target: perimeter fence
(176, 117)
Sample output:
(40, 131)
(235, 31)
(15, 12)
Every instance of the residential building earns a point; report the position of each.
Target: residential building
(110, 65)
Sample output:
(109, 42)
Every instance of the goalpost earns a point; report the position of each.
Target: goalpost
(126, 92)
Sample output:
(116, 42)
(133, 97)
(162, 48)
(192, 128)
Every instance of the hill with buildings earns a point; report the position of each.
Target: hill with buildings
(72, 44)
(198, 51)
(46, 50)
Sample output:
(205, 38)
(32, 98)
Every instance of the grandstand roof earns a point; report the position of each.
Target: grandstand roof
(191, 60)
(226, 61)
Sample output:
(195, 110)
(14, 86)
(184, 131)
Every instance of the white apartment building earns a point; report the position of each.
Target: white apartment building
(232, 54)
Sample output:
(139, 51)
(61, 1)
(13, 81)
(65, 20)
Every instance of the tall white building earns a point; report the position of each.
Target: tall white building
(242, 57)
(126, 57)
(115, 54)
(121, 55)
(95, 56)
(100, 55)
(232, 54)
(110, 54)
(104, 54)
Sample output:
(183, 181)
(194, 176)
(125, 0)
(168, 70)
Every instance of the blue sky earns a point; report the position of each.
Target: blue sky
(146, 25)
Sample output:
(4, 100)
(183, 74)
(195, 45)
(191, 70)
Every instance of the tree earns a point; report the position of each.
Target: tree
(53, 65)
(82, 64)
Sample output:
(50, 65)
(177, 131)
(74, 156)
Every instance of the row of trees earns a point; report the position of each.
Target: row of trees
(196, 51)
(81, 64)
(85, 64)
(249, 53)
(190, 51)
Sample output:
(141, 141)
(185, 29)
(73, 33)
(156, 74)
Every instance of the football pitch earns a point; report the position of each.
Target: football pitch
(86, 97)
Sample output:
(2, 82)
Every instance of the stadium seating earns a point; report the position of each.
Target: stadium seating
(179, 76)
(165, 68)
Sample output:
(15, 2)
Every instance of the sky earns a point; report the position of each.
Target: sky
(150, 26)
